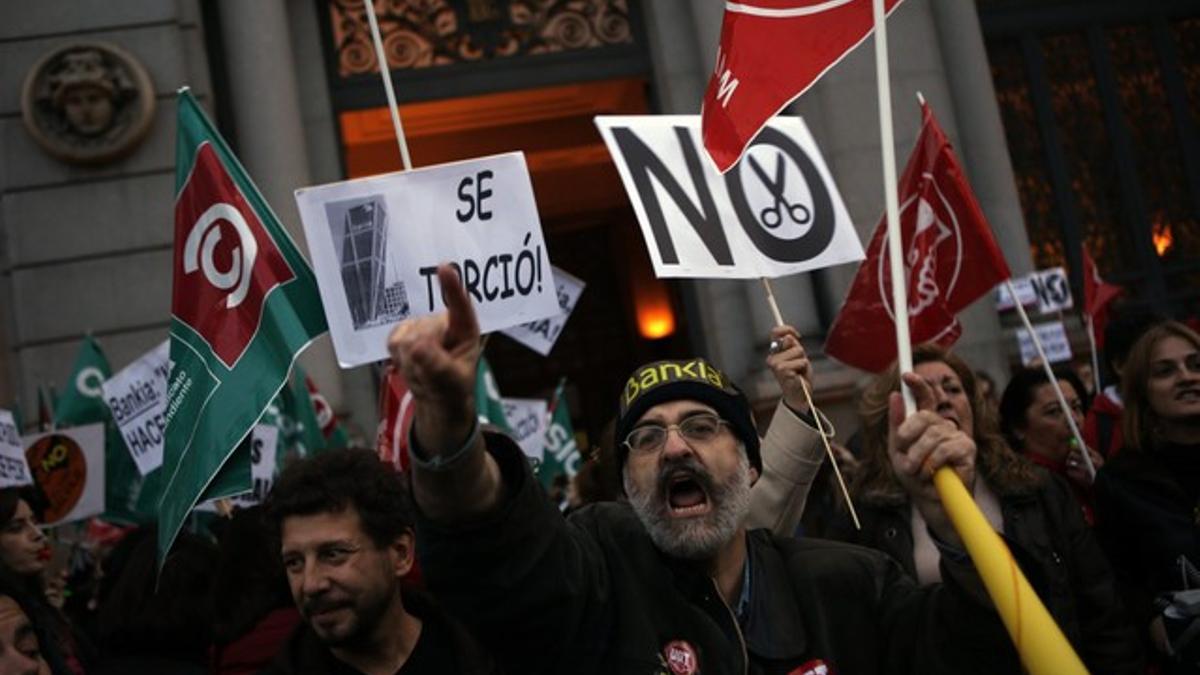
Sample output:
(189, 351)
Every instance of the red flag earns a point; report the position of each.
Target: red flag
(771, 52)
(395, 418)
(950, 260)
(1097, 296)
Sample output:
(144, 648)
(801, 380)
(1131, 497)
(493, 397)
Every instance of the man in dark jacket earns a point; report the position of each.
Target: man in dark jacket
(670, 582)
(345, 529)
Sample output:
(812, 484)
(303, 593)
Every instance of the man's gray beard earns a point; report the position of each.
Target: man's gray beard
(697, 538)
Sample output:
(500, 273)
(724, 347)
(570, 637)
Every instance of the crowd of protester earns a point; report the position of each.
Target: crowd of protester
(687, 539)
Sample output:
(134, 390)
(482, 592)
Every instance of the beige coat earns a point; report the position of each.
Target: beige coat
(791, 454)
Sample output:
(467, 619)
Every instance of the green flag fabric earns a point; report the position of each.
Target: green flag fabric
(292, 413)
(488, 405)
(562, 454)
(244, 304)
(83, 403)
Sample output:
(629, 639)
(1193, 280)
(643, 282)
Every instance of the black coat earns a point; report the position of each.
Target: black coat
(594, 595)
(457, 653)
(1056, 550)
(1148, 516)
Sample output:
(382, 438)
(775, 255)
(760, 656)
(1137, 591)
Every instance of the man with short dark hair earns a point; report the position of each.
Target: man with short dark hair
(672, 582)
(345, 529)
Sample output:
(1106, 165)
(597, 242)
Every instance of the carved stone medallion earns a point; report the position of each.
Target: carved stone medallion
(88, 103)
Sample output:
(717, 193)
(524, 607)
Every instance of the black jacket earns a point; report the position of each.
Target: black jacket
(1056, 550)
(594, 595)
(443, 647)
(1149, 516)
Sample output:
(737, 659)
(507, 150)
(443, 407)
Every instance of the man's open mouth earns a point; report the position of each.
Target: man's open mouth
(686, 496)
(1188, 394)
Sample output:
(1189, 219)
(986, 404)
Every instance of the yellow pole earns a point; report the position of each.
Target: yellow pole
(1043, 648)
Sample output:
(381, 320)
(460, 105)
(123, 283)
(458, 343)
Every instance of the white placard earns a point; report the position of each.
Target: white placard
(1053, 290)
(14, 471)
(527, 417)
(137, 397)
(541, 335)
(1054, 341)
(1025, 293)
(776, 212)
(375, 244)
(264, 464)
(68, 468)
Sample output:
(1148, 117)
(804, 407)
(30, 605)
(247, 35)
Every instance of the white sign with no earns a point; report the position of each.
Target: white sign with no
(376, 243)
(776, 212)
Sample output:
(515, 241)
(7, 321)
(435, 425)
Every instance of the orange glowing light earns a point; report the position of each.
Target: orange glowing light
(656, 322)
(1163, 239)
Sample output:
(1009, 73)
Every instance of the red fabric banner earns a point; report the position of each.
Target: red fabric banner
(771, 52)
(950, 260)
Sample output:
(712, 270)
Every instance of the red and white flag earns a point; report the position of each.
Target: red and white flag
(771, 52)
(1097, 296)
(395, 418)
(950, 260)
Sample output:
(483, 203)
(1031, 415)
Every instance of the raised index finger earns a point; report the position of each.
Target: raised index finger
(463, 326)
(922, 392)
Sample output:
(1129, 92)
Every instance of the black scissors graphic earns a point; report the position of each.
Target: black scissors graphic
(772, 216)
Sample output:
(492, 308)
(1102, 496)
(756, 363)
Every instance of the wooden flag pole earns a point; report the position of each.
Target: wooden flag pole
(1058, 392)
(386, 73)
(813, 407)
(892, 204)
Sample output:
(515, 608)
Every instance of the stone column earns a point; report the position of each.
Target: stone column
(270, 134)
(982, 143)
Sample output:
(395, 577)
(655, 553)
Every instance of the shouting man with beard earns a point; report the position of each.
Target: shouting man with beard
(345, 529)
(670, 582)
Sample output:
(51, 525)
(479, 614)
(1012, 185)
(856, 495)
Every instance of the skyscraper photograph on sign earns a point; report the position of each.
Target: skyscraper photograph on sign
(374, 294)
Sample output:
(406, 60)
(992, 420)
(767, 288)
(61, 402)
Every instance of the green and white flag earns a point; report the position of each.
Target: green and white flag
(82, 403)
(562, 454)
(243, 306)
(488, 404)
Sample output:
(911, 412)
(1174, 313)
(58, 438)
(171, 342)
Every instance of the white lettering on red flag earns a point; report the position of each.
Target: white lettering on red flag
(950, 260)
(771, 52)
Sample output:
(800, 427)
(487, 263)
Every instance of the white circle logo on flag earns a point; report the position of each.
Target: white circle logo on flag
(202, 242)
(89, 380)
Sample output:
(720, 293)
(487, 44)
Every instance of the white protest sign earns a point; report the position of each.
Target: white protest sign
(776, 212)
(137, 397)
(376, 242)
(1053, 337)
(1053, 290)
(541, 335)
(14, 471)
(1025, 293)
(68, 469)
(527, 417)
(264, 464)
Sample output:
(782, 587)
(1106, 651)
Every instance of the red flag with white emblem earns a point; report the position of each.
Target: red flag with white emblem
(950, 260)
(771, 52)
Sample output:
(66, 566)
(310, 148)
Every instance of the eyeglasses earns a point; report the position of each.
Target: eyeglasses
(697, 429)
